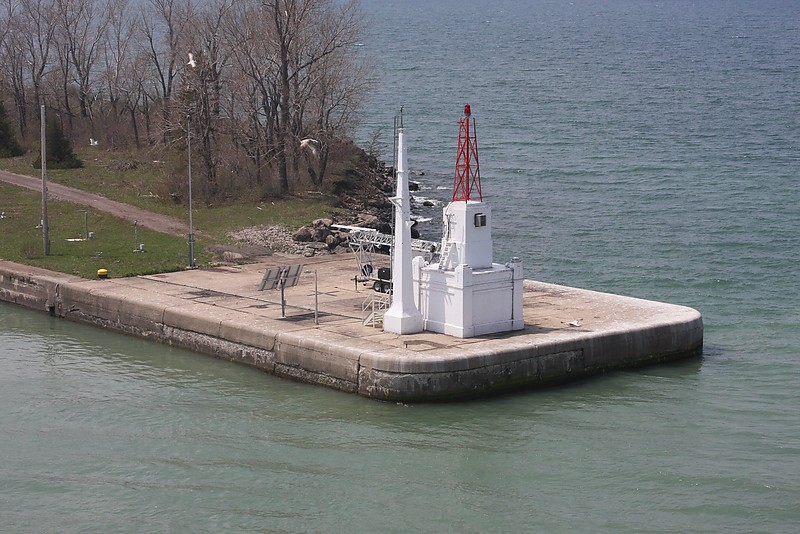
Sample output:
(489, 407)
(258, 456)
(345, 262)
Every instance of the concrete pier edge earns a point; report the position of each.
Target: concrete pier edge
(370, 364)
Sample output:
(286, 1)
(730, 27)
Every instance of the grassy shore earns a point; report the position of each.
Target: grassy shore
(137, 180)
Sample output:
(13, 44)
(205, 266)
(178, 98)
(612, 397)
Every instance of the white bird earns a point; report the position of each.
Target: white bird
(311, 145)
(192, 63)
(92, 142)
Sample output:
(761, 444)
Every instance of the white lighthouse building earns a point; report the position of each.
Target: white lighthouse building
(466, 294)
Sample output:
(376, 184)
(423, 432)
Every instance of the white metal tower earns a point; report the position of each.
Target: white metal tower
(403, 316)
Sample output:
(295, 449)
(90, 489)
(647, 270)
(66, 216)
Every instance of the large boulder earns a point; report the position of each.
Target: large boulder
(366, 220)
(333, 241)
(233, 257)
(322, 223)
(303, 235)
(312, 249)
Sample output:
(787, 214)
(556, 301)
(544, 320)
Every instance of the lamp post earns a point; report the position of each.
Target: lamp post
(45, 229)
(192, 264)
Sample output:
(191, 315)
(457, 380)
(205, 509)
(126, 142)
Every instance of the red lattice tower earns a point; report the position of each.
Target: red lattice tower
(467, 181)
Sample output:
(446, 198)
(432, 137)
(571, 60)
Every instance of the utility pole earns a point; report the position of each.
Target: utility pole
(192, 264)
(45, 230)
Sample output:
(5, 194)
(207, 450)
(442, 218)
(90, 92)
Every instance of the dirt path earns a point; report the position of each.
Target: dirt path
(154, 221)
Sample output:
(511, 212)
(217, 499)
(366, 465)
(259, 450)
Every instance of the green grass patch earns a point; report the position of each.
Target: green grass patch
(136, 178)
(132, 178)
(112, 247)
(140, 179)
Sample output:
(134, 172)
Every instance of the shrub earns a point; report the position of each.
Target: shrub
(9, 147)
(59, 149)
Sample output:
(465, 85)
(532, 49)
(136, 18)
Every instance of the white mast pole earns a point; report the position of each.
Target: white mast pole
(402, 317)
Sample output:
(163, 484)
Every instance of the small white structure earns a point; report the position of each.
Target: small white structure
(403, 316)
(466, 294)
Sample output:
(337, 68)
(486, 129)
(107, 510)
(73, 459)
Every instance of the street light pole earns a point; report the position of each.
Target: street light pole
(45, 229)
(192, 264)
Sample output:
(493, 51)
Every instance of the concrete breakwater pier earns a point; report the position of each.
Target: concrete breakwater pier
(569, 333)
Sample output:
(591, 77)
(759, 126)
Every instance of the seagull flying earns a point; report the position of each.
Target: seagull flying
(92, 142)
(192, 63)
(312, 145)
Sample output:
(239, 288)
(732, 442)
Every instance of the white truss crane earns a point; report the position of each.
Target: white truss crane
(363, 242)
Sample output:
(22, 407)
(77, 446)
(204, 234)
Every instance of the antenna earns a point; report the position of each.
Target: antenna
(398, 124)
(467, 179)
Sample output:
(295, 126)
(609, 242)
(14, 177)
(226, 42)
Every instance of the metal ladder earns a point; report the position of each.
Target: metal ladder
(445, 255)
(373, 309)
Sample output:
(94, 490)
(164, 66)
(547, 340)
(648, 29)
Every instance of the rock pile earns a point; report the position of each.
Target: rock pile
(274, 238)
(319, 237)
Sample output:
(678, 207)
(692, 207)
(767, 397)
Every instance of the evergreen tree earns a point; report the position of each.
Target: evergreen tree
(9, 147)
(59, 149)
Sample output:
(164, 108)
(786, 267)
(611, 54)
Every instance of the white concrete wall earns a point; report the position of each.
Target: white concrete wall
(465, 302)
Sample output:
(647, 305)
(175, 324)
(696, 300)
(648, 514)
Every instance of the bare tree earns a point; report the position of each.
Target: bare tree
(205, 78)
(65, 68)
(256, 62)
(164, 23)
(82, 27)
(335, 83)
(294, 52)
(14, 59)
(138, 98)
(36, 31)
(119, 76)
